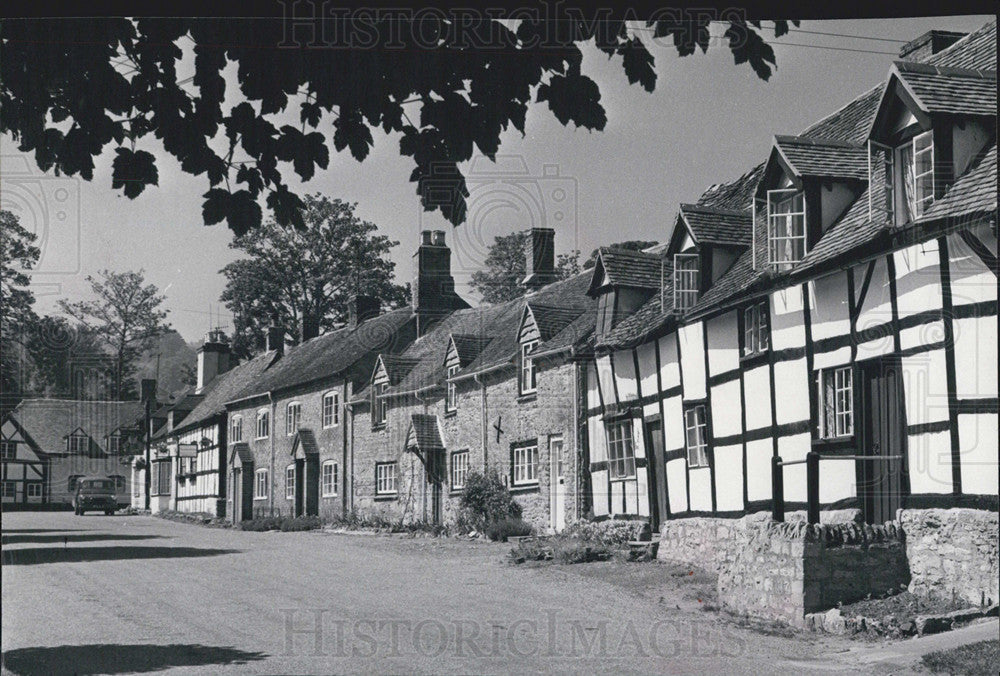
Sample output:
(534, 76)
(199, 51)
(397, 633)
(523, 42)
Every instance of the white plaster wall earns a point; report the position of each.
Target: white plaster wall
(606, 380)
(924, 334)
(971, 280)
(701, 490)
(787, 325)
(759, 454)
(673, 425)
(597, 438)
(791, 388)
(918, 278)
(828, 307)
(646, 353)
(925, 387)
(677, 485)
(929, 462)
(599, 489)
(729, 477)
(976, 357)
(723, 344)
(693, 360)
(795, 448)
(977, 434)
(625, 375)
(757, 396)
(726, 409)
(670, 375)
(837, 480)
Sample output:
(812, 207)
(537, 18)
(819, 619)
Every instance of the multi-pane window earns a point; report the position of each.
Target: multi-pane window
(78, 443)
(459, 469)
(786, 226)
(836, 402)
(9, 489)
(380, 405)
(34, 490)
(528, 381)
(915, 160)
(8, 450)
(330, 478)
(687, 279)
(293, 415)
(525, 464)
(236, 429)
(385, 478)
(331, 409)
(756, 329)
(114, 443)
(260, 484)
(263, 423)
(621, 448)
(163, 478)
(290, 482)
(696, 436)
(451, 395)
(556, 454)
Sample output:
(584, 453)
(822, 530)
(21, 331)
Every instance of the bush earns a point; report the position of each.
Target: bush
(283, 523)
(499, 531)
(561, 550)
(485, 501)
(612, 533)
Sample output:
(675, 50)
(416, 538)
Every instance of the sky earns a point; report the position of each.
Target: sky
(707, 122)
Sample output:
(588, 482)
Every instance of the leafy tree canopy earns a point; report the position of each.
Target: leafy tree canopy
(446, 85)
(506, 266)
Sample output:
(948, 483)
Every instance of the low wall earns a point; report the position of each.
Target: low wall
(953, 553)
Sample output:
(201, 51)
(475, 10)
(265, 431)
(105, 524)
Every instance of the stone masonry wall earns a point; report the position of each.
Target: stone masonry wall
(953, 552)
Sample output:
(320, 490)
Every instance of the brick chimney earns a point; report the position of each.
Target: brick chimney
(213, 359)
(360, 308)
(540, 258)
(275, 336)
(308, 328)
(433, 286)
(929, 43)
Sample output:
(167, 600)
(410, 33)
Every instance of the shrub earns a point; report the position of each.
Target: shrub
(561, 550)
(485, 500)
(283, 523)
(613, 533)
(499, 531)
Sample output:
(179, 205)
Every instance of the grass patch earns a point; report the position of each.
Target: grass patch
(967, 660)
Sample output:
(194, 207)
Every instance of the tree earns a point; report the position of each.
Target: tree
(307, 274)
(445, 84)
(126, 314)
(68, 361)
(505, 268)
(18, 255)
(631, 245)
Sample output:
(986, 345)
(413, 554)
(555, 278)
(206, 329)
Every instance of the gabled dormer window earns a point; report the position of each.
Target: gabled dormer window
(114, 443)
(786, 226)
(915, 181)
(380, 405)
(687, 280)
(527, 382)
(78, 443)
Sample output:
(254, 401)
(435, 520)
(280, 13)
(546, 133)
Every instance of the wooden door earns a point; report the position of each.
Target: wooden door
(881, 431)
(237, 489)
(300, 482)
(657, 475)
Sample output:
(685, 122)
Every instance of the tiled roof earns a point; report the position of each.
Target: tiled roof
(624, 267)
(550, 319)
(850, 123)
(468, 346)
(50, 421)
(977, 50)
(823, 157)
(942, 89)
(307, 440)
(397, 367)
(234, 384)
(975, 191)
(424, 433)
(711, 225)
(241, 450)
(735, 195)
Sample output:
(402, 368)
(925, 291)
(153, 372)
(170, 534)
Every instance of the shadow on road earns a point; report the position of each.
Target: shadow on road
(58, 539)
(32, 555)
(44, 530)
(109, 658)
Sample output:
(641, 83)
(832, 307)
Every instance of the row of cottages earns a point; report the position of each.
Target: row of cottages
(839, 300)
(46, 445)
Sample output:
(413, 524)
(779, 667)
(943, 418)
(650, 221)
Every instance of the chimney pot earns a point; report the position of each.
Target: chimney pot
(275, 337)
(309, 328)
(439, 238)
(425, 237)
(931, 42)
(540, 255)
(214, 358)
(362, 307)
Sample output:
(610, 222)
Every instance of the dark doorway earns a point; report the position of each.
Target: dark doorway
(435, 477)
(882, 482)
(300, 482)
(657, 475)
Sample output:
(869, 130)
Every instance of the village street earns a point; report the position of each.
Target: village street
(119, 594)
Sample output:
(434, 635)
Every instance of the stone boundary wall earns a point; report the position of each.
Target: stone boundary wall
(953, 552)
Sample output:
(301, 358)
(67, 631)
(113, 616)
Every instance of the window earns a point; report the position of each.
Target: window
(451, 396)
(380, 405)
(260, 485)
(686, 280)
(114, 443)
(193, 466)
(459, 469)
(263, 423)
(8, 450)
(71, 482)
(556, 454)
(915, 183)
(78, 443)
(331, 409)
(696, 436)
(34, 490)
(330, 478)
(119, 482)
(293, 414)
(621, 448)
(786, 226)
(528, 382)
(756, 329)
(236, 429)
(525, 464)
(836, 402)
(9, 489)
(290, 482)
(162, 474)
(385, 478)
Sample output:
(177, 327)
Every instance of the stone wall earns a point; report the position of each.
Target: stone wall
(953, 552)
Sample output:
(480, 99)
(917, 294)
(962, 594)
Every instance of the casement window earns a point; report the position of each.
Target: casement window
(786, 226)
(331, 409)
(290, 482)
(528, 381)
(756, 329)
(524, 464)
(34, 490)
(385, 478)
(236, 429)
(696, 435)
(836, 402)
(330, 478)
(119, 482)
(459, 469)
(193, 466)
(451, 395)
(687, 279)
(263, 423)
(163, 478)
(114, 444)
(380, 405)
(293, 415)
(914, 182)
(77, 443)
(621, 448)
(71, 482)
(260, 484)
(556, 454)
(9, 489)
(8, 450)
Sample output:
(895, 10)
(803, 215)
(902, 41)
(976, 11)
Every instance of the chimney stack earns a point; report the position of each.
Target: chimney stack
(929, 43)
(360, 308)
(213, 359)
(275, 337)
(540, 254)
(433, 291)
(308, 328)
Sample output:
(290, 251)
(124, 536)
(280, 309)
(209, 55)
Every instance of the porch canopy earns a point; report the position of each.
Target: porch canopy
(304, 445)
(241, 455)
(423, 436)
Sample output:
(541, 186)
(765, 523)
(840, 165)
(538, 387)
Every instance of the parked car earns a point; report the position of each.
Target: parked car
(94, 495)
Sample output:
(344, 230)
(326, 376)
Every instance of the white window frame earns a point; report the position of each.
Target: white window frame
(843, 402)
(524, 464)
(34, 489)
(82, 438)
(459, 469)
(114, 443)
(756, 328)
(687, 280)
(451, 393)
(331, 468)
(260, 484)
(620, 435)
(773, 240)
(290, 482)
(380, 405)
(236, 429)
(8, 450)
(528, 378)
(331, 409)
(9, 489)
(696, 435)
(386, 478)
(556, 442)
(293, 417)
(914, 207)
(262, 424)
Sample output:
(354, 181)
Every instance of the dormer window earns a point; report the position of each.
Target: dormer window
(915, 180)
(528, 380)
(786, 226)
(380, 405)
(77, 443)
(687, 279)
(114, 443)
(451, 395)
